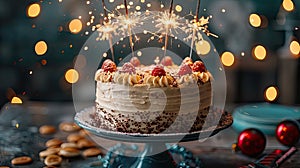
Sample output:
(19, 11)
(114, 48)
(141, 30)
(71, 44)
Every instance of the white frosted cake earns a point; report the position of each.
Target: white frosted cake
(151, 99)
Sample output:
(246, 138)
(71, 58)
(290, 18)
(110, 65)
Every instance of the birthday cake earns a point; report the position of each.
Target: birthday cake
(165, 97)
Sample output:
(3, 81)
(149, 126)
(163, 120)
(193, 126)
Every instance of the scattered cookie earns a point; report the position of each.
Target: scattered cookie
(69, 152)
(85, 143)
(74, 137)
(84, 133)
(53, 142)
(47, 129)
(69, 145)
(21, 160)
(69, 127)
(53, 160)
(91, 152)
(49, 151)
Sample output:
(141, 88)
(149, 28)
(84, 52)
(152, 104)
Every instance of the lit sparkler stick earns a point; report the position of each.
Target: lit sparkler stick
(129, 29)
(168, 27)
(107, 29)
(195, 28)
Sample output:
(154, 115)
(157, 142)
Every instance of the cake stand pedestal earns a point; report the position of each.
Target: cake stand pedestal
(155, 153)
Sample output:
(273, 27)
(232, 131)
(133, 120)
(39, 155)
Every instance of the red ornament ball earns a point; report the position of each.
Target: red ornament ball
(288, 133)
(251, 142)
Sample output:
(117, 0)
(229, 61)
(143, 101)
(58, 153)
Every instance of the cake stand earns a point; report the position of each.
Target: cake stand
(151, 156)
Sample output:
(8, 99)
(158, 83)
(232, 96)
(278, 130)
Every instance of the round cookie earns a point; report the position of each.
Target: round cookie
(69, 152)
(53, 160)
(69, 127)
(47, 129)
(49, 151)
(91, 152)
(21, 160)
(53, 142)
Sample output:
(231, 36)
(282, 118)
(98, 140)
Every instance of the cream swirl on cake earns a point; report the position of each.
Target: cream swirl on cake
(147, 99)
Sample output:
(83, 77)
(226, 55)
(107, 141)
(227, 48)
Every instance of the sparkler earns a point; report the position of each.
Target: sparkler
(129, 28)
(195, 27)
(168, 27)
(107, 29)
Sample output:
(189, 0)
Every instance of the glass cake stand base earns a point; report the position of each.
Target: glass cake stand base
(156, 153)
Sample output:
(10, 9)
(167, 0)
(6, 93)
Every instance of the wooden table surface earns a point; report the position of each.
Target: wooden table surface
(19, 136)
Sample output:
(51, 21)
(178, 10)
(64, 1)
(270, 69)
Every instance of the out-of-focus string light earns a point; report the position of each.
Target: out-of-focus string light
(203, 47)
(259, 52)
(72, 76)
(288, 5)
(75, 26)
(295, 48)
(227, 59)
(33, 10)
(271, 93)
(41, 48)
(178, 8)
(16, 100)
(255, 20)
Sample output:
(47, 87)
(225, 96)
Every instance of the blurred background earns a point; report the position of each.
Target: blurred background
(258, 44)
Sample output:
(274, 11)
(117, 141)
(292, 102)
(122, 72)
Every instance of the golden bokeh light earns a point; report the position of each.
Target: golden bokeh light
(295, 48)
(75, 26)
(271, 93)
(259, 52)
(203, 47)
(255, 20)
(227, 59)
(288, 5)
(178, 8)
(33, 10)
(72, 76)
(16, 100)
(41, 48)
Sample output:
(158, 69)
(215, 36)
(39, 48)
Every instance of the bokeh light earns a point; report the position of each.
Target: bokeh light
(227, 59)
(288, 5)
(255, 20)
(203, 47)
(259, 52)
(75, 26)
(72, 76)
(271, 93)
(33, 10)
(295, 47)
(41, 48)
(16, 100)
(178, 8)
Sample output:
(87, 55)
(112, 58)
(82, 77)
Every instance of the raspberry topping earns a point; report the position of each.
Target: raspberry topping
(109, 66)
(184, 69)
(128, 68)
(167, 61)
(199, 67)
(158, 71)
(135, 61)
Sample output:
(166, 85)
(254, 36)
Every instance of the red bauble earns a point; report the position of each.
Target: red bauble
(288, 133)
(251, 142)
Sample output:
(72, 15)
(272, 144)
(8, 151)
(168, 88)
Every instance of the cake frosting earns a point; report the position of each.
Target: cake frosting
(152, 99)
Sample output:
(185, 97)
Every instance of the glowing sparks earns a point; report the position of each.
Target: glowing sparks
(106, 30)
(16, 100)
(40, 48)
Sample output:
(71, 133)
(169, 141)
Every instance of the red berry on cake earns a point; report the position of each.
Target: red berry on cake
(128, 68)
(184, 69)
(109, 66)
(199, 67)
(158, 71)
(188, 61)
(167, 61)
(135, 61)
